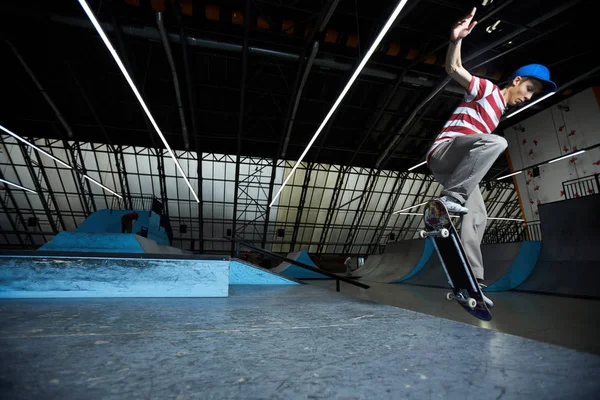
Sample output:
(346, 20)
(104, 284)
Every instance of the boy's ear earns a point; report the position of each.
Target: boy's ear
(517, 80)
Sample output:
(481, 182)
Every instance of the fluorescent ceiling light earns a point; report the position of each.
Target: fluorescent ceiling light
(530, 104)
(96, 24)
(506, 176)
(507, 219)
(19, 138)
(102, 186)
(18, 186)
(457, 216)
(417, 166)
(567, 156)
(420, 214)
(54, 158)
(409, 208)
(360, 67)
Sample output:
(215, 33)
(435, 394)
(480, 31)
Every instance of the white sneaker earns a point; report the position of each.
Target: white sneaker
(453, 206)
(488, 302)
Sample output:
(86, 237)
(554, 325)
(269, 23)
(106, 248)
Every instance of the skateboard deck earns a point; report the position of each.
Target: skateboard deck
(447, 243)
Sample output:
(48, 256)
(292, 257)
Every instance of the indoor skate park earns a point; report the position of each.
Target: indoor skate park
(224, 199)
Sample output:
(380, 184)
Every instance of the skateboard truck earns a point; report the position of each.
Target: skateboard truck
(460, 297)
(442, 232)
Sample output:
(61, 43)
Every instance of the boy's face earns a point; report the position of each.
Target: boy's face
(523, 90)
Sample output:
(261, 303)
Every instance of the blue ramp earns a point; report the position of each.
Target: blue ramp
(521, 268)
(427, 252)
(94, 243)
(506, 264)
(296, 272)
(109, 221)
(242, 273)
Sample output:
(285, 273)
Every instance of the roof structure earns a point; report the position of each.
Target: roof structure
(238, 89)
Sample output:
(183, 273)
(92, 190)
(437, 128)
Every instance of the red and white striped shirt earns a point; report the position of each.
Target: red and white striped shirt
(479, 112)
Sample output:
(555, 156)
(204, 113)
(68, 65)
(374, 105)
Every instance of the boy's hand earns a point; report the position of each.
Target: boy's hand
(463, 27)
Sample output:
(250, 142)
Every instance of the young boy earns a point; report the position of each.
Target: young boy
(465, 150)
(127, 222)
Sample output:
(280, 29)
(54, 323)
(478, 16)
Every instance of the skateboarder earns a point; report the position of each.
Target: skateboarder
(466, 149)
(127, 222)
(348, 264)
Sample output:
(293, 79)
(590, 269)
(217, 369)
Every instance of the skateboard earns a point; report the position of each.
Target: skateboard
(446, 241)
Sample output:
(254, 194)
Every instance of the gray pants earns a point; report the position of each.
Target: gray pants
(459, 166)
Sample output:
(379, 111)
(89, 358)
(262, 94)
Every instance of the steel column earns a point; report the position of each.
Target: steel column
(10, 219)
(191, 92)
(307, 175)
(162, 180)
(269, 199)
(116, 152)
(37, 182)
(151, 132)
(360, 209)
(240, 120)
(87, 197)
(301, 77)
(332, 207)
(20, 218)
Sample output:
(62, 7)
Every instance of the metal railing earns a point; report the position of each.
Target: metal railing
(513, 231)
(143, 203)
(579, 187)
(301, 265)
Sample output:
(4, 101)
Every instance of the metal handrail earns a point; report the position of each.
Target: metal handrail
(582, 186)
(301, 265)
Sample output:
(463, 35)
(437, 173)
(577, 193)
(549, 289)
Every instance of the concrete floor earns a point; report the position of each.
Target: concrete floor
(563, 321)
(275, 342)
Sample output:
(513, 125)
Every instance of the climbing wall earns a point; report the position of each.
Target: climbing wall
(564, 128)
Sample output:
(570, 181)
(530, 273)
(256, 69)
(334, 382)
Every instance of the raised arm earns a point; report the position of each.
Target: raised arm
(454, 66)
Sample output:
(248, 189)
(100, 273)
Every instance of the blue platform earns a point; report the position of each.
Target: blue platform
(94, 242)
(109, 221)
(58, 276)
(97, 260)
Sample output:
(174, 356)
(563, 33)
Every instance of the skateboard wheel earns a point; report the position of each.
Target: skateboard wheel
(423, 234)
(472, 303)
(449, 296)
(445, 233)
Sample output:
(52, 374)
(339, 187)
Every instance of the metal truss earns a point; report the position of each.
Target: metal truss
(252, 200)
(376, 239)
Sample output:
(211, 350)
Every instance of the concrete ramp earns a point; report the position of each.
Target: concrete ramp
(371, 264)
(520, 270)
(569, 262)
(296, 272)
(151, 247)
(499, 260)
(400, 260)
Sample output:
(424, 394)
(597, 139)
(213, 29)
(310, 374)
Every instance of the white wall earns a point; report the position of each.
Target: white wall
(549, 134)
